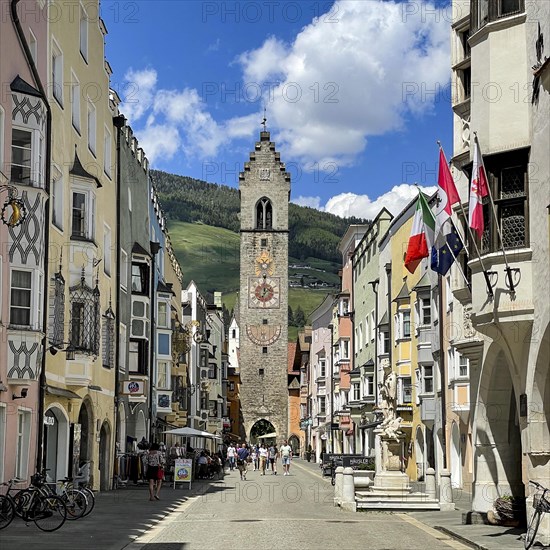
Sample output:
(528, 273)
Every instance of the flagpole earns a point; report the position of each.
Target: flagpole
(442, 371)
(508, 270)
(485, 274)
(457, 263)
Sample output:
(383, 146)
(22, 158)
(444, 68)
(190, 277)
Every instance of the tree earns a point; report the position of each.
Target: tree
(290, 317)
(299, 317)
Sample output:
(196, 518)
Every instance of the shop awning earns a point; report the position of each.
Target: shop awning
(268, 436)
(191, 432)
(60, 392)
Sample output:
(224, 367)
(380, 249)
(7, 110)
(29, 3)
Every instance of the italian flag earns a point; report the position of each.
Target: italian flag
(422, 234)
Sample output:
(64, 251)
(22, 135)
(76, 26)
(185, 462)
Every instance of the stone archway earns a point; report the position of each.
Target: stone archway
(260, 428)
(497, 436)
(419, 447)
(456, 458)
(141, 426)
(105, 457)
(294, 442)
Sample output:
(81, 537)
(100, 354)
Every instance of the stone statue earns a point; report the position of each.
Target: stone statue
(388, 392)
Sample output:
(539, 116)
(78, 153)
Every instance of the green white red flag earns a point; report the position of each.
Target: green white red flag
(422, 234)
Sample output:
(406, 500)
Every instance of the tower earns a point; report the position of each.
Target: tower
(265, 192)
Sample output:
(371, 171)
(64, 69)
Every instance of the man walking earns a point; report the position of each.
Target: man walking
(273, 456)
(242, 455)
(231, 456)
(286, 456)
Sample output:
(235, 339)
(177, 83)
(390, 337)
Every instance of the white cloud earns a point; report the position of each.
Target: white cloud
(346, 205)
(159, 142)
(138, 93)
(345, 80)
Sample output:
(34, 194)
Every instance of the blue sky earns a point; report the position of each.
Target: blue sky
(348, 87)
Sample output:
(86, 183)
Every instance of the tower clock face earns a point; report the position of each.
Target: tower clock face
(263, 292)
(263, 335)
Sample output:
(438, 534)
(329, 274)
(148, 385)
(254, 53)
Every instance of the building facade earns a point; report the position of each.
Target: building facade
(263, 309)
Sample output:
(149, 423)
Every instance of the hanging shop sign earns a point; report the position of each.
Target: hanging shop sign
(133, 387)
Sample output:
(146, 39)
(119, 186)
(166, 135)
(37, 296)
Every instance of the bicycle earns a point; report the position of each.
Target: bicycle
(48, 512)
(541, 504)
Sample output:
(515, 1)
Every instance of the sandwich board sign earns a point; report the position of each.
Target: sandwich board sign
(183, 471)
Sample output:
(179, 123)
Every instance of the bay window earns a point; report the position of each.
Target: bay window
(21, 298)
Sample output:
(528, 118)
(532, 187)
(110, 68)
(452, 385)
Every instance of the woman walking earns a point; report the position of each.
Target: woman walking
(155, 471)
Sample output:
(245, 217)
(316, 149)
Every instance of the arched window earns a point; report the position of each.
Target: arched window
(264, 214)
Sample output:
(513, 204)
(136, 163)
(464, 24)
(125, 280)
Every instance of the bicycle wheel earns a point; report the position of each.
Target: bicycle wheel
(91, 500)
(76, 502)
(48, 513)
(532, 529)
(20, 500)
(7, 511)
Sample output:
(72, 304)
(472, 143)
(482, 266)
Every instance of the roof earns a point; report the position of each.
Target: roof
(138, 249)
(292, 357)
(423, 283)
(384, 320)
(79, 170)
(21, 86)
(403, 293)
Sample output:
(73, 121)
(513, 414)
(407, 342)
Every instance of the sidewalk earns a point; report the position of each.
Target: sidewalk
(118, 518)
(480, 537)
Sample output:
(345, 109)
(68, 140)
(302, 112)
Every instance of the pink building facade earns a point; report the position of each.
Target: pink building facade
(24, 130)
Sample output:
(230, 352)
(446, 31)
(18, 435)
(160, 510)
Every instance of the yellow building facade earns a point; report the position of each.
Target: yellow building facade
(81, 362)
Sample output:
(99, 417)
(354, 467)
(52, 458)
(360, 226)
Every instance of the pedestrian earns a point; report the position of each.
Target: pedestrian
(242, 457)
(155, 471)
(253, 457)
(273, 456)
(263, 458)
(286, 456)
(203, 466)
(231, 456)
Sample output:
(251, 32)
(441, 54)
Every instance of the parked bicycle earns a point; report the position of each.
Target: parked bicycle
(47, 511)
(541, 504)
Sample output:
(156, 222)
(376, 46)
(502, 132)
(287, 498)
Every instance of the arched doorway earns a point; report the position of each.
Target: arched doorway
(498, 452)
(456, 458)
(294, 443)
(261, 429)
(56, 443)
(419, 454)
(141, 427)
(85, 419)
(104, 457)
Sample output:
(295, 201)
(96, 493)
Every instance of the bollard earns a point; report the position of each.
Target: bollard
(430, 483)
(445, 492)
(348, 491)
(339, 479)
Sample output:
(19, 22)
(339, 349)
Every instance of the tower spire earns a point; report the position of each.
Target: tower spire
(264, 121)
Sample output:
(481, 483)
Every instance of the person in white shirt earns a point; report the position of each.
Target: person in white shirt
(263, 458)
(231, 451)
(286, 456)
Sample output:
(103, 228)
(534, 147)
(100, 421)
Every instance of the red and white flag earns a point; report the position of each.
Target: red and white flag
(447, 195)
(478, 190)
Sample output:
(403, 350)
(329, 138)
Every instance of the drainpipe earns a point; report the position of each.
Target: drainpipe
(374, 285)
(118, 122)
(442, 370)
(47, 172)
(154, 247)
(331, 328)
(390, 319)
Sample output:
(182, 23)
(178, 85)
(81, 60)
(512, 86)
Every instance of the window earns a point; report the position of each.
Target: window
(21, 298)
(123, 269)
(322, 404)
(344, 307)
(425, 311)
(123, 341)
(83, 215)
(212, 370)
(264, 350)
(359, 336)
(427, 379)
(356, 391)
(108, 347)
(75, 103)
(129, 199)
(162, 316)
(85, 323)
(22, 444)
(92, 127)
(406, 390)
(385, 342)
(484, 11)
(509, 7)
(463, 366)
(163, 375)
(140, 278)
(57, 73)
(32, 45)
(322, 368)
(264, 214)
(405, 323)
(212, 408)
(138, 357)
(507, 174)
(107, 158)
(345, 349)
(369, 385)
(83, 33)
(21, 156)
(231, 386)
(164, 344)
(372, 326)
(57, 203)
(107, 250)
(233, 333)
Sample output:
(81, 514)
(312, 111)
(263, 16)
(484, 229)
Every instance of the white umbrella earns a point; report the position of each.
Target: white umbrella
(191, 432)
(268, 436)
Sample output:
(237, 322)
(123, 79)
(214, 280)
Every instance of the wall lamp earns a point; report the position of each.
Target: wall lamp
(70, 351)
(24, 392)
